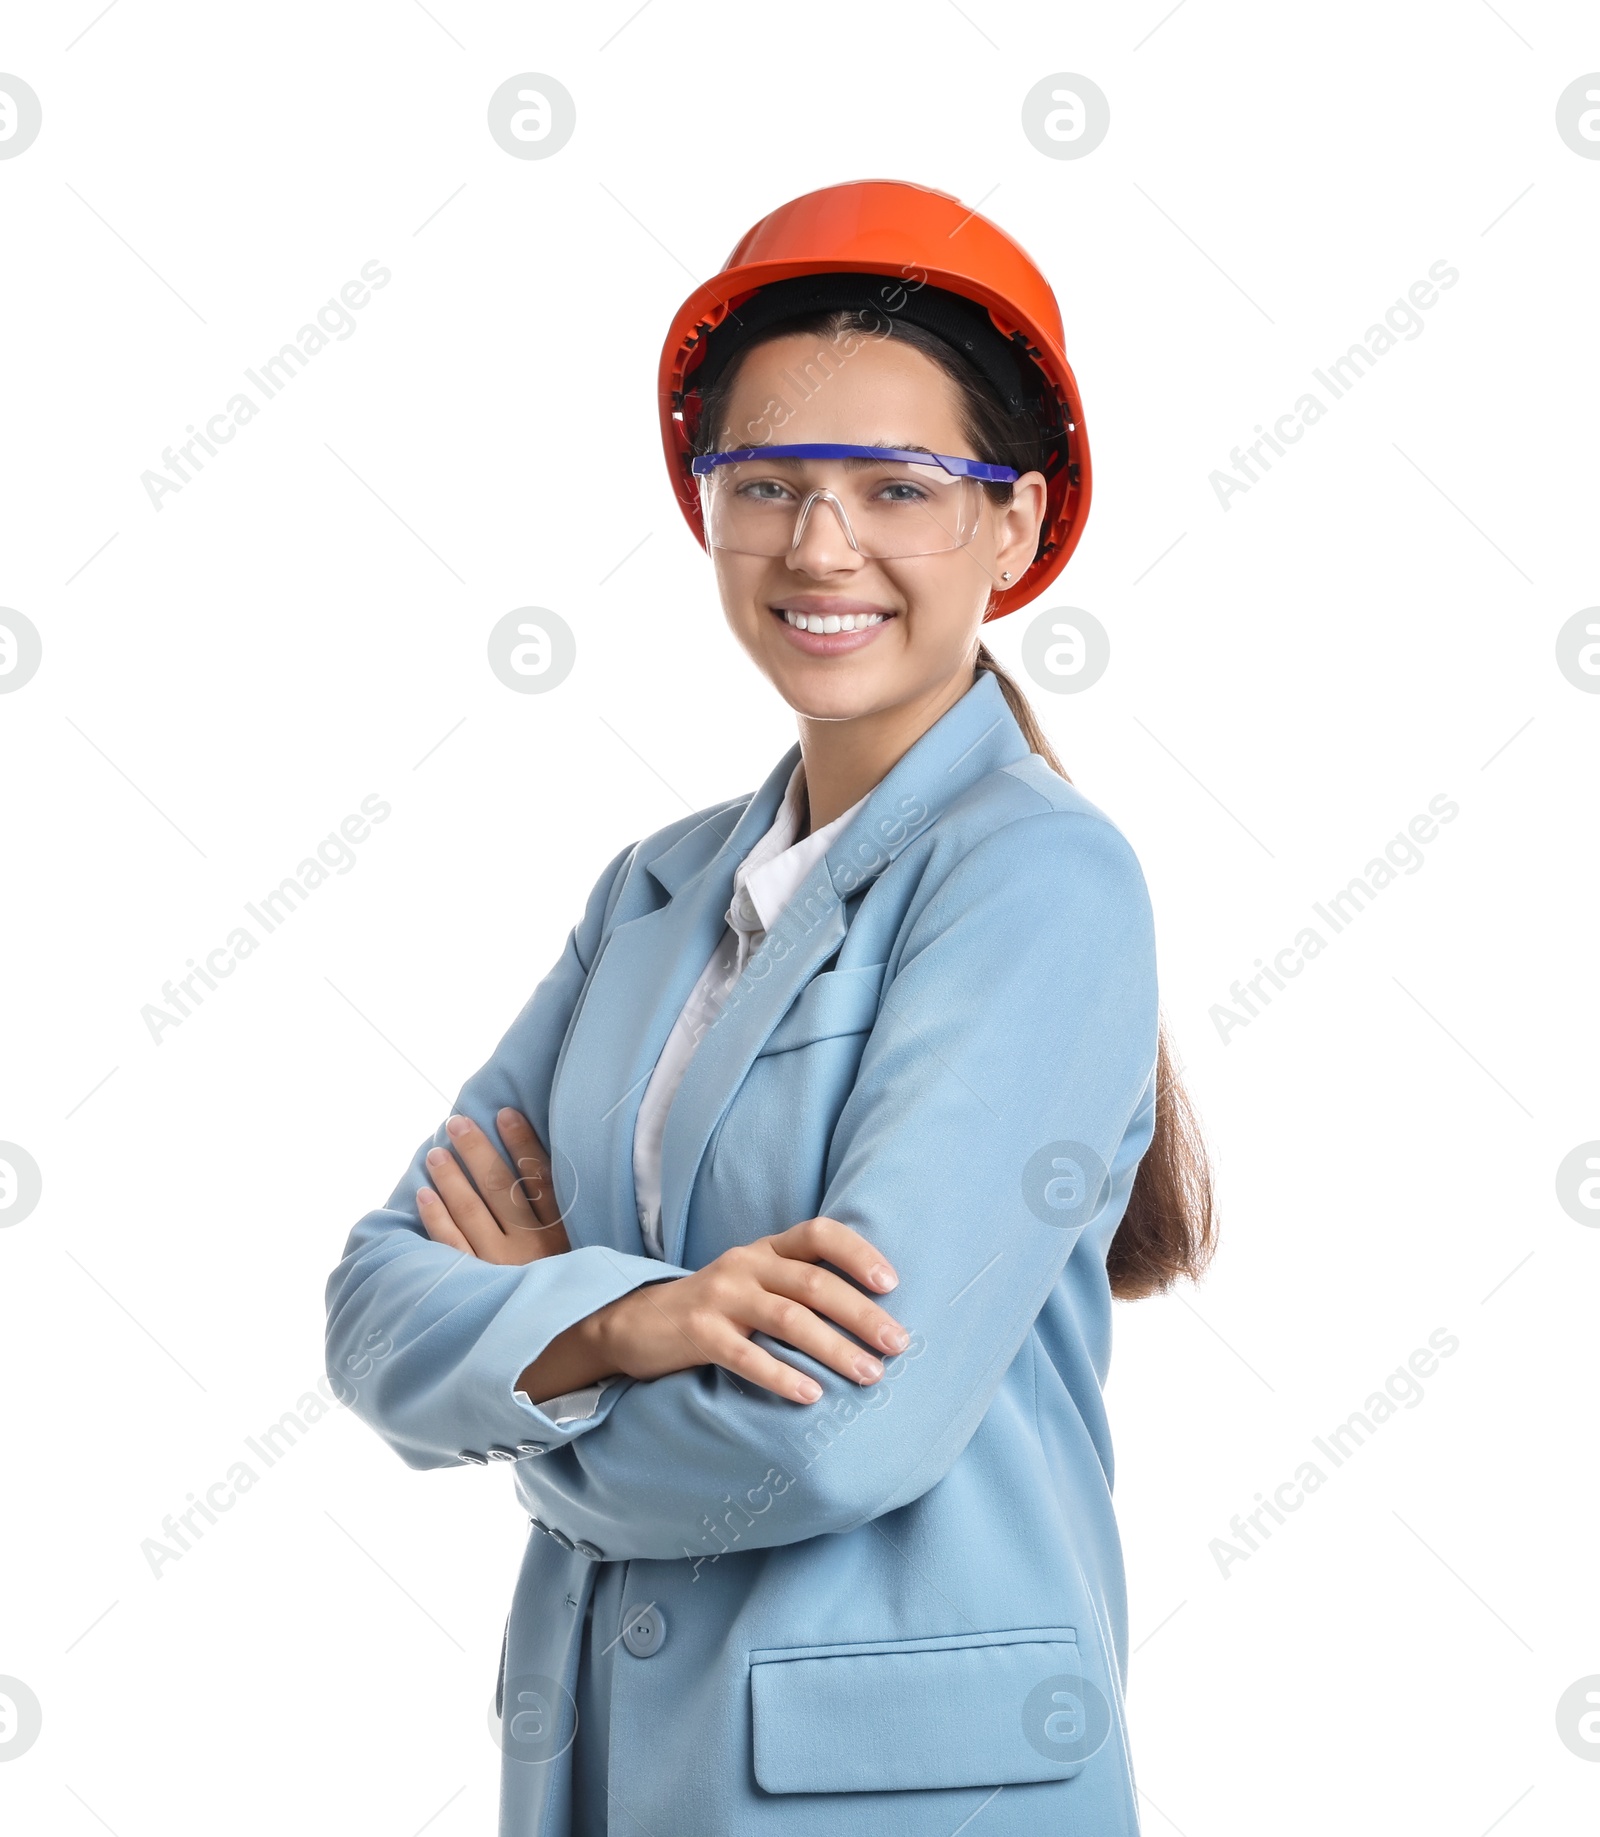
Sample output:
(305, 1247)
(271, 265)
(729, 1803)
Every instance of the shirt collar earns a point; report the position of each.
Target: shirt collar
(768, 877)
(977, 736)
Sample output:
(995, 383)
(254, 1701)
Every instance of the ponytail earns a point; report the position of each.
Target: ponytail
(1169, 1229)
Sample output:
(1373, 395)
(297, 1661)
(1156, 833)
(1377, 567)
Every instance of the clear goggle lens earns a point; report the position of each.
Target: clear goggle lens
(888, 509)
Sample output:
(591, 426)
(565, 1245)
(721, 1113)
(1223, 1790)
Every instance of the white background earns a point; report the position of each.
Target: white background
(1370, 625)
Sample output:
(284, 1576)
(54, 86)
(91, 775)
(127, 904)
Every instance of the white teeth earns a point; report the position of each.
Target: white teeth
(816, 621)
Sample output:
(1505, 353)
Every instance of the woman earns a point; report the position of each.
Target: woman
(846, 1085)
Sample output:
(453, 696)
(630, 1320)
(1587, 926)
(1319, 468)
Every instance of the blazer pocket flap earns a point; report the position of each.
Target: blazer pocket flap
(837, 1001)
(910, 1715)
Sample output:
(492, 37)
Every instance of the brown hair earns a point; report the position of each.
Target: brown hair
(1169, 1228)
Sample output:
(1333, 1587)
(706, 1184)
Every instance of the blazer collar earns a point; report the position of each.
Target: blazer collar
(977, 736)
(726, 831)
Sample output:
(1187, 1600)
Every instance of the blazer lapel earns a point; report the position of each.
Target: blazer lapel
(976, 736)
(807, 932)
(646, 969)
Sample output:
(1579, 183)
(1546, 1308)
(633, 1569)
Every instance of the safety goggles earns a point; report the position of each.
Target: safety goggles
(891, 502)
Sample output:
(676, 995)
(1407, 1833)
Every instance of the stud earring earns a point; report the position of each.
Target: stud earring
(1005, 574)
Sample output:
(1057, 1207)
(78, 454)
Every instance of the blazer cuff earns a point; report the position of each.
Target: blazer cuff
(555, 1293)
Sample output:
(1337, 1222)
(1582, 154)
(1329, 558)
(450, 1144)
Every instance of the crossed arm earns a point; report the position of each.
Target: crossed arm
(775, 1285)
(1021, 1020)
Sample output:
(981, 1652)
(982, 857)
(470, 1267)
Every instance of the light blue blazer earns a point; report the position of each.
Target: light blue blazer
(897, 1605)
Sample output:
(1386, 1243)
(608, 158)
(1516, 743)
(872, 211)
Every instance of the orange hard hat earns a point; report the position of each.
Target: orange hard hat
(933, 247)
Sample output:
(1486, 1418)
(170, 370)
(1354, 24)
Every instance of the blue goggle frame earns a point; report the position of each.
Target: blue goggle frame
(979, 469)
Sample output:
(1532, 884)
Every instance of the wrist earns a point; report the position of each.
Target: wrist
(599, 1342)
(572, 1361)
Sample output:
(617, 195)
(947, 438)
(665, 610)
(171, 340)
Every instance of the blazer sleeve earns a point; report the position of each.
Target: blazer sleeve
(1014, 1047)
(425, 1342)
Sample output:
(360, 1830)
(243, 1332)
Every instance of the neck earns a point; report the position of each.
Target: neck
(844, 760)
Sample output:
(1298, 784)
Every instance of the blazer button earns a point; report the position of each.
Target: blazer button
(589, 1551)
(502, 1454)
(530, 1447)
(646, 1629)
(472, 1455)
(538, 1524)
(561, 1538)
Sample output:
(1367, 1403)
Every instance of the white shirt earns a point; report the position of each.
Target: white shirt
(763, 884)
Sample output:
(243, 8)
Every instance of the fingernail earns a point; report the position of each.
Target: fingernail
(436, 1157)
(895, 1338)
(810, 1390)
(426, 1193)
(880, 1277)
(868, 1370)
(457, 1126)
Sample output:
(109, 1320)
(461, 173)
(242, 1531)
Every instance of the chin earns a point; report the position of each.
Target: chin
(829, 698)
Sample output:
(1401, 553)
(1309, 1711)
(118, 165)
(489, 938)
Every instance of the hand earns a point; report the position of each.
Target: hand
(773, 1286)
(505, 1217)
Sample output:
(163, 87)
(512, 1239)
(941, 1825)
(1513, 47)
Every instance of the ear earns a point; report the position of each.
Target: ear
(1018, 525)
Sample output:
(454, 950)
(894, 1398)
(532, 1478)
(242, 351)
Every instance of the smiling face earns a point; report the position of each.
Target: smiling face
(913, 631)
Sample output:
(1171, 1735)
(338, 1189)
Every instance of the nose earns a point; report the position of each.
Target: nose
(823, 544)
